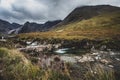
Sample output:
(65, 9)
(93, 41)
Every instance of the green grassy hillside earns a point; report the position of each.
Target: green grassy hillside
(103, 26)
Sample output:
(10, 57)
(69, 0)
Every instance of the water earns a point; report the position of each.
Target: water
(70, 51)
(62, 51)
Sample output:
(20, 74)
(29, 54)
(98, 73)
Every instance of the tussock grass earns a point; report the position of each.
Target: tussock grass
(15, 66)
(98, 72)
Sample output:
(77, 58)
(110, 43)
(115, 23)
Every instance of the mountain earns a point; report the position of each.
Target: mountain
(87, 12)
(15, 28)
(34, 27)
(30, 27)
(92, 22)
(6, 26)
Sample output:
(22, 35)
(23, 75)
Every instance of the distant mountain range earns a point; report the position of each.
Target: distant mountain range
(80, 14)
(34, 27)
(15, 28)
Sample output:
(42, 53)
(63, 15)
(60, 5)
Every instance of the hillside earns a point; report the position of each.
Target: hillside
(87, 12)
(104, 24)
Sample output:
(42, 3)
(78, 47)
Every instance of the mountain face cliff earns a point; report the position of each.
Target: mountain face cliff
(6, 26)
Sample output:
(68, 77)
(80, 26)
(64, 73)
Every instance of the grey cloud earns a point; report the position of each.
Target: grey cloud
(43, 10)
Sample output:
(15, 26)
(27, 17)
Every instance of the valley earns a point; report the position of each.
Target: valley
(83, 46)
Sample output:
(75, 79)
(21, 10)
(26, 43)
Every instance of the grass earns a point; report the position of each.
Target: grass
(98, 72)
(91, 71)
(15, 66)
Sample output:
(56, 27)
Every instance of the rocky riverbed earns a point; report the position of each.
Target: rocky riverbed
(47, 53)
(76, 56)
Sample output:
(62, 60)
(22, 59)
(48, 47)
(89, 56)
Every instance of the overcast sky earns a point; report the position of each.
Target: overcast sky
(39, 11)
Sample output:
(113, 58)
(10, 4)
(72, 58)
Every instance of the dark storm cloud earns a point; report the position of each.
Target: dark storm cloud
(43, 10)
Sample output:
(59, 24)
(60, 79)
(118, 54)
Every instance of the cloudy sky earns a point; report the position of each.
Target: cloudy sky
(39, 11)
